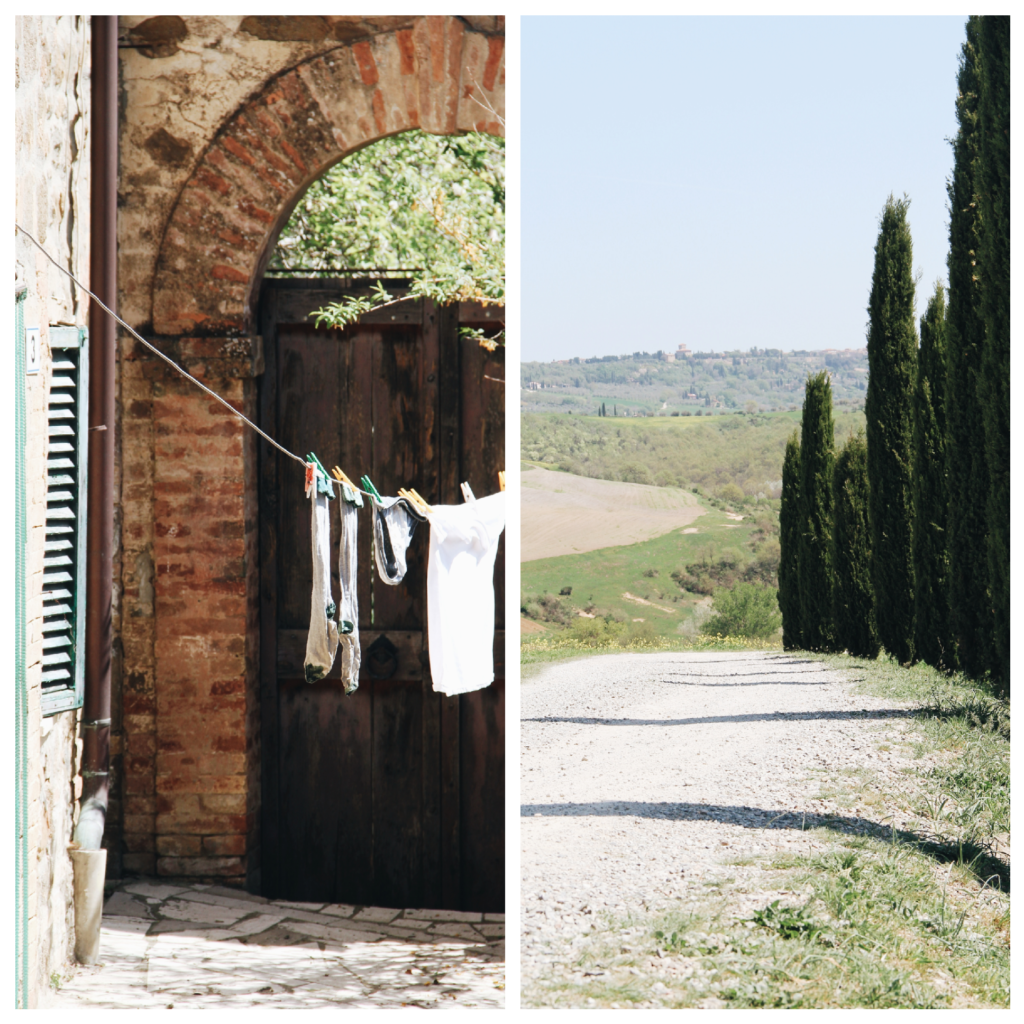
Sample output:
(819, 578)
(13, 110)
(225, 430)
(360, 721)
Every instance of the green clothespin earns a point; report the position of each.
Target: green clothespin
(368, 484)
(324, 484)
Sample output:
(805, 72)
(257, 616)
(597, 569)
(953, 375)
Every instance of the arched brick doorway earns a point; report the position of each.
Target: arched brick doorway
(435, 75)
(190, 702)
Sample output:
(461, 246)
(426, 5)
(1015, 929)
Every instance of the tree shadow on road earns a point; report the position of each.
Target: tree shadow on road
(976, 857)
(772, 716)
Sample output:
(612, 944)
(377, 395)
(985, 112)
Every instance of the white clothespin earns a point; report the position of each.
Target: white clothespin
(467, 493)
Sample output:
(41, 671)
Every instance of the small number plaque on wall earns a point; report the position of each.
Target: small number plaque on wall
(32, 342)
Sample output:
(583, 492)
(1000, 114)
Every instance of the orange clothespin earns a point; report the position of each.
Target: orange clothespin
(340, 476)
(415, 500)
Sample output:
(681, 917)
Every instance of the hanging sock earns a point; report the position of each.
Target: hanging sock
(322, 641)
(348, 613)
(394, 523)
(460, 593)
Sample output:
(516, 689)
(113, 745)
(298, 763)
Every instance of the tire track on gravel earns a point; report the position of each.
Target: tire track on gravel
(643, 775)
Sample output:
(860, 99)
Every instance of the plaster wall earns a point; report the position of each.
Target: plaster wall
(52, 57)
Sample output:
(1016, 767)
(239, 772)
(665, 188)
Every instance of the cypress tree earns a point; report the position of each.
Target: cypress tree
(892, 347)
(966, 468)
(817, 464)
(789, 542)
(932, 640)
(993, 187)
(852, 596)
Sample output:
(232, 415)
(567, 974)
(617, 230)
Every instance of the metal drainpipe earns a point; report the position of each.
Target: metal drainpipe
(102, 341)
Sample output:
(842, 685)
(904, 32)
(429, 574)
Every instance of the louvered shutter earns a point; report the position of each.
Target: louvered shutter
(64, 560)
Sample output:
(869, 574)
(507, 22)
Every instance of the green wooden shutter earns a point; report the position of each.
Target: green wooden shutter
(66, 499)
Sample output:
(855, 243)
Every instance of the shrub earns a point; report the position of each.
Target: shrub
(746, 610)
(639, 634)
(594, 632)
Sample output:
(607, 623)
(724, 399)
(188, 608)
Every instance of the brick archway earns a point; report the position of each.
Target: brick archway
(186, 731)
(437, 75)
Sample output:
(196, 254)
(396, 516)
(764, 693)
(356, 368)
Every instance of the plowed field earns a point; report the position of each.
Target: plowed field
(567, 515)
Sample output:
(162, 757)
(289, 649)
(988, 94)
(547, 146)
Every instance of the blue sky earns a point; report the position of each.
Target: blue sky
(718, 181)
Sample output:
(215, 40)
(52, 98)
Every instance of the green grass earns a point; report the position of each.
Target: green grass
(600, 578)
(706, 451)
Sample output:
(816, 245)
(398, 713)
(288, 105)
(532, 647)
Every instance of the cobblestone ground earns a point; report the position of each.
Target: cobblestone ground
(168, 946)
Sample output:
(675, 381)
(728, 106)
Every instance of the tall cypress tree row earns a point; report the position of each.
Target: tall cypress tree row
(892, 347)
(993, 186)
(967, 470)
(789, 542)
(852, 596)
(817, 464)
(932, 638)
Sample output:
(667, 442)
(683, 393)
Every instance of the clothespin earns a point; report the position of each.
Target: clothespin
(323, 481)
(415, 500)
(349, 491)
(501, 479)
(467, 492)
(426, 507)
(368, 485)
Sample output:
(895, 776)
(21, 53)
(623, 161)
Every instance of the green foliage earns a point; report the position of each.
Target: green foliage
(992, 184)
(429, 205)
(817, 463)
(708, 453)
(852, 595)
(789, 539)
(786, 922)
(967, 468)
(641, 384)
(933, 642)
(892, 347)
(747, 610)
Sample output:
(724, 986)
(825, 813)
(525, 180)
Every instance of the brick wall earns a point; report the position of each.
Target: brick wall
(52, 202)
(225, 123)
(189, 703)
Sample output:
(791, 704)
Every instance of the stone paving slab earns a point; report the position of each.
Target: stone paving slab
(209, 947)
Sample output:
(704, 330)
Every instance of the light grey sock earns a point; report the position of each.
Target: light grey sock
(322, 641)
(348, 613)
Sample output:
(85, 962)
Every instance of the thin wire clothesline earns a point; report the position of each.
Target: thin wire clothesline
(170, 362)
(213, 394)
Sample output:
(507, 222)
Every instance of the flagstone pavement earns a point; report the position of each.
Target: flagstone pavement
(167, 946)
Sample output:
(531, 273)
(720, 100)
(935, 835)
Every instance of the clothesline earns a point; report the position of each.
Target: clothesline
(154, 349)
(170, 362)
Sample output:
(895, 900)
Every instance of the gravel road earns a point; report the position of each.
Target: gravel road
(646, 774)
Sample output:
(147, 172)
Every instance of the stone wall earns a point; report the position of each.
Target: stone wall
(52, 202)
(225, 121)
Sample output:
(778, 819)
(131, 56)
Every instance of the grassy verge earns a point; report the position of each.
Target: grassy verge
(916, 917)
(535, 652)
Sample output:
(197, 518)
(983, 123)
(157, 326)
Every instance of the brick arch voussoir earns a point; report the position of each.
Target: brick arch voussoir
(436, 75)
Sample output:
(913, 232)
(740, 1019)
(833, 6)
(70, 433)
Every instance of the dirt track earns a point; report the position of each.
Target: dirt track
(644, 775)
(567, 515)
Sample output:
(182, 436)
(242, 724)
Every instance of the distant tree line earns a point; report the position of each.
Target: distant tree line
(901, 539)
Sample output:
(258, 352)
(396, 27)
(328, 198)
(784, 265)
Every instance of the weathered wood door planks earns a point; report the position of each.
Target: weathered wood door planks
(393, 796)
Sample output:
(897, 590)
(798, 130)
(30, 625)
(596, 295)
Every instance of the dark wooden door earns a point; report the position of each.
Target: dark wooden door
(393, 796)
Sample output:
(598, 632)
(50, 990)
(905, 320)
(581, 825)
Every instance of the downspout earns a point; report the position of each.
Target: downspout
(102, 342)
